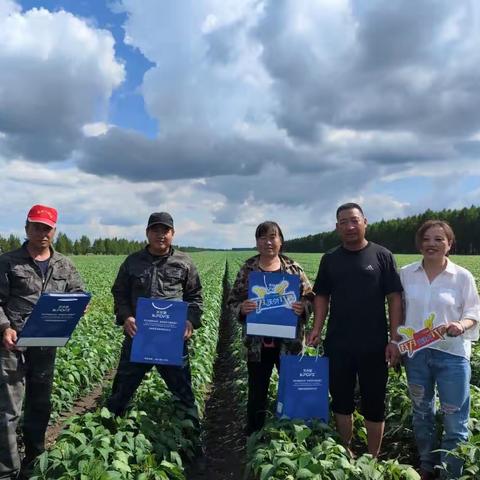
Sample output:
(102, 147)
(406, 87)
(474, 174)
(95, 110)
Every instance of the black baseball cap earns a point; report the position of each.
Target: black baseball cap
(160, 217)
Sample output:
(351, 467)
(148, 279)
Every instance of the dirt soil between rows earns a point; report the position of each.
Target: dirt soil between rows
(85, 404)
(224, 422)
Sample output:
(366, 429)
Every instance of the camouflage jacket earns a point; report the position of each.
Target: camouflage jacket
(170, 277)
(22, 283)
(239, 293)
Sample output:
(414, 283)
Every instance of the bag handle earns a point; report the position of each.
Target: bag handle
(303, 350)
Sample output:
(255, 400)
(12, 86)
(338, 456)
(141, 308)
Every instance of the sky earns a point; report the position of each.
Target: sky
(226, 113)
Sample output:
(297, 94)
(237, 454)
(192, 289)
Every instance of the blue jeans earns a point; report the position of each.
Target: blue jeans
(451, 375)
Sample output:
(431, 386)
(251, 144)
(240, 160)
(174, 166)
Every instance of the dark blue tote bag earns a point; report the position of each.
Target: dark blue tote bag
(303, 387)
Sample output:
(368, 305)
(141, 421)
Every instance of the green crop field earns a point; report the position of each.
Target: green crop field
(290, 450)
(155, 440)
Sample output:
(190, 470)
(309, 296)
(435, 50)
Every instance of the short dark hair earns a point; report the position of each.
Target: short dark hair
(349, 206)
(434, 223)
(266, 227)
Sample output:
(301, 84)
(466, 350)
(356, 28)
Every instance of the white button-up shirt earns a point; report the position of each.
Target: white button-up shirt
(451, 296)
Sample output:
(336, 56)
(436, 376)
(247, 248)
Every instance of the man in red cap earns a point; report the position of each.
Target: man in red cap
(27, 372)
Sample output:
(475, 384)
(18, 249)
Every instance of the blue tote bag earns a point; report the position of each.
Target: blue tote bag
(303, 387)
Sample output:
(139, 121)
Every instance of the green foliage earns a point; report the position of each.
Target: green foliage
(10, 243)
(94, 347)
(100, 446)
(157, 435)
(156, 438)
(398, 235)
(63, 244)
(291, 450)
(82, 246)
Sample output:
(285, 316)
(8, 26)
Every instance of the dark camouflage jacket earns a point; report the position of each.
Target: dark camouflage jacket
(22, 283)
(171, 277)
(239, 293)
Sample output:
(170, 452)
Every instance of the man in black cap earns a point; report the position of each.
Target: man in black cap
(157, 271)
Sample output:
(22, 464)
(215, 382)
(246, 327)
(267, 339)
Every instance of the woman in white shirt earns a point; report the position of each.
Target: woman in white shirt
(439, 296)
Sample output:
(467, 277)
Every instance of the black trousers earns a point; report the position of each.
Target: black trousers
(130, 375)
(259, 374)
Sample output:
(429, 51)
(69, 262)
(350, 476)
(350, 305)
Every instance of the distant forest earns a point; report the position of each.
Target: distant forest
(84, 246)
(398, 235)
(81, 246)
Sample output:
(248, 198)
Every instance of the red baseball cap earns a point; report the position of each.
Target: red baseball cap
(43, 214)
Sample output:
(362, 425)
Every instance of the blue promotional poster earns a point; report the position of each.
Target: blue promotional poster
(160, 330)
(303, 388)
(274, 294)
(53, 319)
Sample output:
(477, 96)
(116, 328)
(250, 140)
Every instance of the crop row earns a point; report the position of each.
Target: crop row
(94, 347)
(292, 449)
(157, 435)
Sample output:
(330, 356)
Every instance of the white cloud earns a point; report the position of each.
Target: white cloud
(7, 7)
(95, 129)
(108, 207)
(381, 207)
(208, 71)
(56, 74)
(431, 170)
(266, 109)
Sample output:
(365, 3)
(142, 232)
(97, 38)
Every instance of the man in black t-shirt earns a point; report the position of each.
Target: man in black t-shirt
(353, 280)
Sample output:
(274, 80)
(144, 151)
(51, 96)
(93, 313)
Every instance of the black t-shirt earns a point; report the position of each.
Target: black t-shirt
(357, 283)
(43, 266)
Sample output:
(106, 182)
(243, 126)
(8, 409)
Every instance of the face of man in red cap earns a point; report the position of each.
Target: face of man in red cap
(40, 227)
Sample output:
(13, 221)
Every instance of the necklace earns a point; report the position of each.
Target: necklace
(274, 265)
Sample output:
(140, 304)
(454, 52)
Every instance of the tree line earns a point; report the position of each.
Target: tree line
(398, 235)
(84, 246)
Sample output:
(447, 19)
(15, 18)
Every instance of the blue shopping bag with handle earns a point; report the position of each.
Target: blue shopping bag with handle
(303, 387)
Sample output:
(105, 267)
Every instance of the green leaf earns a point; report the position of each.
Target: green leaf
(175, 457)
(123, 467)
(112, 475)
(285, 461)
(338, 474)
(105, 413)
(266, 471)
(122, 456)
(304, 473)
(187, 423)
(43, 462)
(302, 432)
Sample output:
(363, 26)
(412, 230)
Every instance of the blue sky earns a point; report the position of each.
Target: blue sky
(126, 107)
(227, 113)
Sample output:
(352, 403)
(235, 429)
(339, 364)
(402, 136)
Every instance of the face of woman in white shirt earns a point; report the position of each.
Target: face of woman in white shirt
(435, 244)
